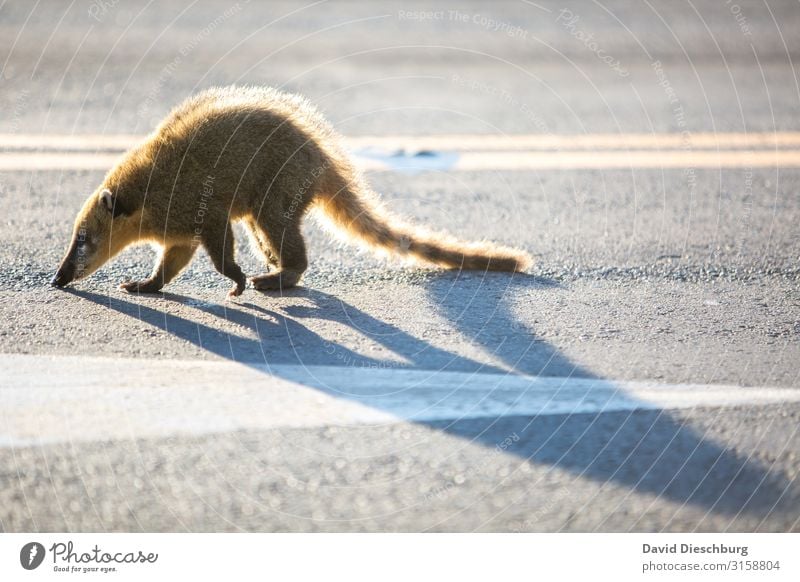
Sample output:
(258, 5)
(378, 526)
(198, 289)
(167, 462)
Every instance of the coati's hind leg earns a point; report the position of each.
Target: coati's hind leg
(284, 239)
(172, 262)
(262, 242)
(220, 247)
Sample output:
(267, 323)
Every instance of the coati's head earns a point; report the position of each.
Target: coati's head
(103, 228)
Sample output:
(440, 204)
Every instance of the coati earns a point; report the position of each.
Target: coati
(259, 156)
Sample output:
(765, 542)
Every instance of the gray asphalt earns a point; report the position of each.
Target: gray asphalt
(638, 275)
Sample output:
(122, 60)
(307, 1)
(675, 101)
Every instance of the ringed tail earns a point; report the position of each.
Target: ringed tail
(351, 206)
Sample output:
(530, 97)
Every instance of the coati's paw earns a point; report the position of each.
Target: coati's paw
(276, 280)
(236, 290)
(148, 286)
(267, 282)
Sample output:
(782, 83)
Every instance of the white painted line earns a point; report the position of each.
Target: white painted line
(53, 399)
(475, 161)
(467, 142)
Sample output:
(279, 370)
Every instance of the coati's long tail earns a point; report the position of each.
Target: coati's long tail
(354, 209)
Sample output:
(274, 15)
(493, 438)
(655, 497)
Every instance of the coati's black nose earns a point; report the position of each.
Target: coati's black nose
(61, 278)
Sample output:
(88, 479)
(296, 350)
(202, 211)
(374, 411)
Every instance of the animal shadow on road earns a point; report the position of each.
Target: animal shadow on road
(649, 451)
(645, 451)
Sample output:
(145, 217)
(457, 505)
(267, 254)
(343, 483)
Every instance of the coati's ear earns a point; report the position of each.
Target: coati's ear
(112, 203)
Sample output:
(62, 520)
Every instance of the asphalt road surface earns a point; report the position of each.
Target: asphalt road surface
(642, 377)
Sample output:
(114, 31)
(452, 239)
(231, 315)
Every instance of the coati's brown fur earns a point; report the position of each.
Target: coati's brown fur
(256, 155)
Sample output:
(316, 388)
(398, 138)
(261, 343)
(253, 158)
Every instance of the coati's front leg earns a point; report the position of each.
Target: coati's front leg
(220, 247)
(285, 239)
(172, 262)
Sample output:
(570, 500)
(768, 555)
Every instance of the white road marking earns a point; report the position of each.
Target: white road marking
(53, 399)
(28, 152)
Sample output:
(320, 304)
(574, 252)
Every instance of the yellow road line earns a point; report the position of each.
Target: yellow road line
(581, 142)
(511, 160)
(624, 160)
(76, 142)
(470, 142)
(52, 161)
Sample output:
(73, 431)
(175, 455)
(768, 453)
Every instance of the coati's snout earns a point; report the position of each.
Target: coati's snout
(65, 274)
(73, 265)
(90, 246)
